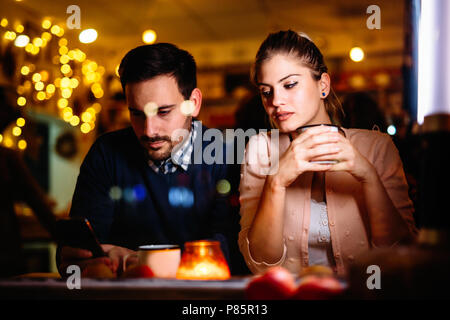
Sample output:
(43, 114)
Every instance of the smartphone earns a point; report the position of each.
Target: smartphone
(78, 233)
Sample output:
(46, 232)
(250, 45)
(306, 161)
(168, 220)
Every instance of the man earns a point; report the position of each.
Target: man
(137, 186)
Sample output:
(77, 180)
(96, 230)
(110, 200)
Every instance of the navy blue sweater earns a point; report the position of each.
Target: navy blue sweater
(128, 204)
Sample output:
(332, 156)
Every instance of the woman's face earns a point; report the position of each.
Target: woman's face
(291, 97)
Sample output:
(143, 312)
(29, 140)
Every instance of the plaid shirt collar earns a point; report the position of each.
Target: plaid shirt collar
(181, 158)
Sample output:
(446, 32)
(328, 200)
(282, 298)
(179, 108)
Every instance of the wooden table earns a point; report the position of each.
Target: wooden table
(43, 287)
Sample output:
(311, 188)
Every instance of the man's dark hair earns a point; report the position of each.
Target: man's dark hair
(148, 61)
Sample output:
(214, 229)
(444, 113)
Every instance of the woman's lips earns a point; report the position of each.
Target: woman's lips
(282, 116)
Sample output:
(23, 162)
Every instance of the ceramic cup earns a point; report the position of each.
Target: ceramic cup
(334, 128)
(163, 259)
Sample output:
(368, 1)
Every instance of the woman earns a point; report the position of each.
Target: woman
(302, 213)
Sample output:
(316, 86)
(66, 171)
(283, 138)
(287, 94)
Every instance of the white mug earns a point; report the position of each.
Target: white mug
(163, 259)
(333, 128)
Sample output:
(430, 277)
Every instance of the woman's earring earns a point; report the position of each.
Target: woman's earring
(323, 94)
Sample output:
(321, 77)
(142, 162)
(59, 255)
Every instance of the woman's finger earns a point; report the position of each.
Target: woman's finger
(324, 150)
(311, 166)
(311, 132)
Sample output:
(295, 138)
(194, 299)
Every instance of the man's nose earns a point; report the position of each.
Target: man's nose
(151, 126)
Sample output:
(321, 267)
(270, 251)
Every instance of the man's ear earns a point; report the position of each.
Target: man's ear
(196, 98)
(324, 85)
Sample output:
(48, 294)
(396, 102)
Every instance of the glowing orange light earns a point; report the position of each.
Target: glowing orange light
(203, 260)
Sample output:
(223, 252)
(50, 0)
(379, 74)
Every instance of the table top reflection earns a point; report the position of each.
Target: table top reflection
(44, 287)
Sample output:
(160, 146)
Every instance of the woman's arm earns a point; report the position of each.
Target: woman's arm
(380, 189)
(265, 235)
(386, 224)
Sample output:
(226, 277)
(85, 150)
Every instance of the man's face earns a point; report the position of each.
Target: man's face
(155, 114)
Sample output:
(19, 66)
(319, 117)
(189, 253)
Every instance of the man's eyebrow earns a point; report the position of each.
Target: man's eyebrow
(167, 106)
(284, 78)
(160, 107)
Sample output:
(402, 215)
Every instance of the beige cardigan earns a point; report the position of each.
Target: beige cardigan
(347, 215)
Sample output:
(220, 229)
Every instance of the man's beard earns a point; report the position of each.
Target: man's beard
(164, 152)
(157, 154)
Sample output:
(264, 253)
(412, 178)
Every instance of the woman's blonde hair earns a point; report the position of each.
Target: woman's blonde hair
(291, 43)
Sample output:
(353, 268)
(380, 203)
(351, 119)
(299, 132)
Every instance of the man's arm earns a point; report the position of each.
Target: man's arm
(91, 200)
(92, 196)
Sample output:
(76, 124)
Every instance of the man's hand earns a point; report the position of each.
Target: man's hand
(83, 258)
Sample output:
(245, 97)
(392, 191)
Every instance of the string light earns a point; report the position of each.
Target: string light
(46, 24)
(20, 122)
(88, 36)
(85, 127)
(21, 41)
(37, 42)
(22, 144)
(25, 70)
(92, 75)
(74, 121)
(16, 131)
(36, 77)
(50, 88)
(39, 86)
(20, 28)
(41, 95)
(21, 101)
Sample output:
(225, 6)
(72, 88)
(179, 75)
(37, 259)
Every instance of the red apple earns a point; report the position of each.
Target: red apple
(138, 271)
(313, 287)
(275, 284)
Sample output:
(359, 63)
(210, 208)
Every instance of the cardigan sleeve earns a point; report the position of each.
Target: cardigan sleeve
(389, 167)
(254, 171)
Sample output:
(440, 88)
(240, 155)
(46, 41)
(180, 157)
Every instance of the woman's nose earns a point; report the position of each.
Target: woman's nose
(278, 99)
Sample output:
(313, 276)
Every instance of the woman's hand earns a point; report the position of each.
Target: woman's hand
(350, 160)
(313, 144)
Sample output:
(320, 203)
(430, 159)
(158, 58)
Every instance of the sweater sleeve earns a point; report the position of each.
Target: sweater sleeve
(92, 198)
(254, 172)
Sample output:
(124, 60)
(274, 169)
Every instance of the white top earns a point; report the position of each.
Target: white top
(319, 241)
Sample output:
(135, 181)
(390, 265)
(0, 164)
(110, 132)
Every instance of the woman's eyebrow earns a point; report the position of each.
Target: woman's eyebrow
(284, 78)
(292, 74)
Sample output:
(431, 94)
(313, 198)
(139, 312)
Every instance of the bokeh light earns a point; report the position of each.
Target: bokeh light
(21, 41)
(181, 197)
(223, 187)
(88, 36)
(149, 36)
(115, 193)
(391, 130)
(187, 107)
(357, 54)
(22, 144)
